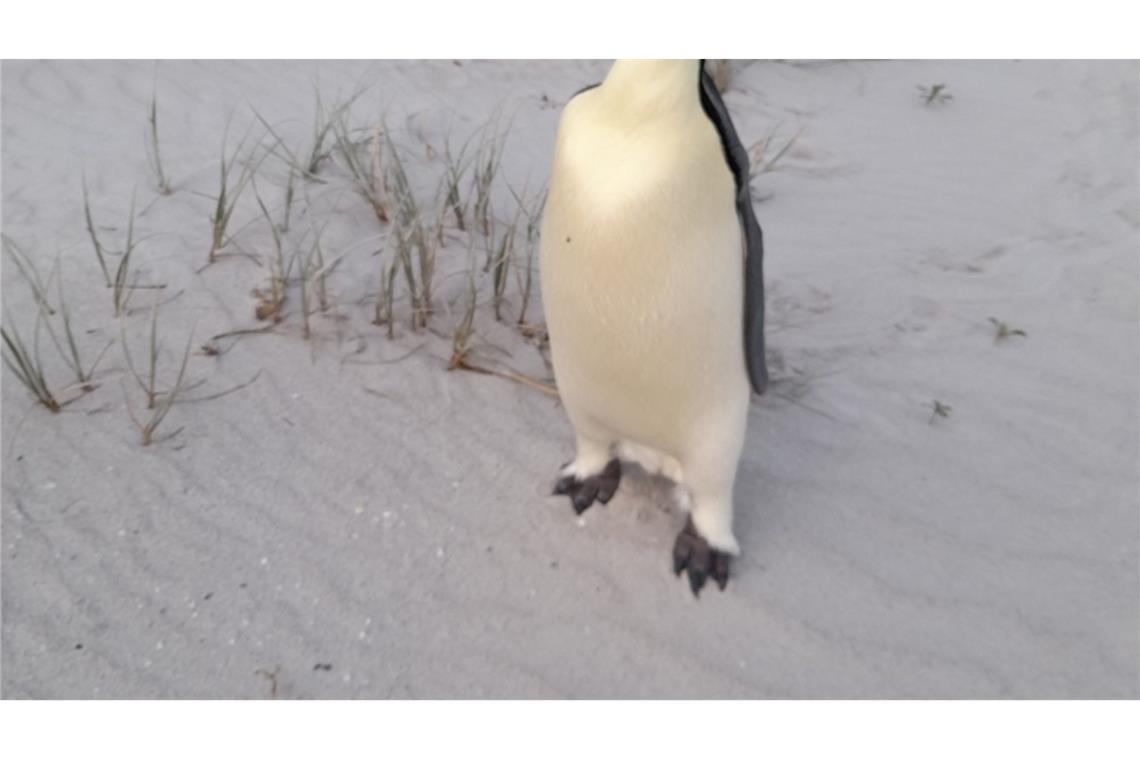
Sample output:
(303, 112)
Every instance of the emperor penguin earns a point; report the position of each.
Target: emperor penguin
(653, 288)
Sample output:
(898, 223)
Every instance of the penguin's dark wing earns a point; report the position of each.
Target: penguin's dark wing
(738, 163)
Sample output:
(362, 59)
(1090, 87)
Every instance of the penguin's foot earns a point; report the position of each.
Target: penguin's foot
(692, 552)
(585, 491)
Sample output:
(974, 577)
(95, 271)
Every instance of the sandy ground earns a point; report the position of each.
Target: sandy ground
(360, 522)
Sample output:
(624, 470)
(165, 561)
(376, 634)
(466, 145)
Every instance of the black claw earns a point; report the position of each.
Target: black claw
(692, 552)
(583, 493)
(563, 486)
(696, 580)
(720, 569)
(679, 561)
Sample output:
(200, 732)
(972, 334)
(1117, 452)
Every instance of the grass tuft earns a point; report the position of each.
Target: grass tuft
(229, 192)
(367, 175)
(934, 94)
(26, 364)
(271, 303)
(1002, 331)
(154, 158)
(940, 410)
(99, 250)
(28, 269)
(159, 403)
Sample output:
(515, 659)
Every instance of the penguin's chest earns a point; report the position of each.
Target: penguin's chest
(641, 269)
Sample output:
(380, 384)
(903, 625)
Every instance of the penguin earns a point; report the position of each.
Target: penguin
(652, 283)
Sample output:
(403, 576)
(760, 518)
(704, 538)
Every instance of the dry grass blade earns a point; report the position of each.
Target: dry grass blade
(28, 270)
(159, 403)
(149, 386)
(488, 160)
(154, 158)
(70, 352)
(525, 274)
(228, 195)
(367, 176)
(122, 288)
(501, 263)
(385, 299)
(26, 365)
(323, 124)
(461, 339)
(1002, 331)
(270, 305)
(456, 170)
(220, 394)
(99, 251)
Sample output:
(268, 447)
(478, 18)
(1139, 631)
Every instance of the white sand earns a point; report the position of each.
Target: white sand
(407, 540)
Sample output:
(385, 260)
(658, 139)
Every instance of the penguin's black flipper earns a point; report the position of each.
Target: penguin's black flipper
(739, 164)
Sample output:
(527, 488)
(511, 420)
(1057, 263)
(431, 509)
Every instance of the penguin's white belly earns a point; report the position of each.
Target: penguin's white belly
(643, 284)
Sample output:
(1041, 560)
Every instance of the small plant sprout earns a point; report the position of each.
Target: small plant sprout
(456, 169)
(99, 250)
(488, 159)
(122, 288)
(501, 263)
(153, 156)
(229, 191)
(289, 187)
(940, 410)
(271, 303)
(313, 274)
(465, 329)
(1003, 331)
(416, 243)
(159, 404)
(367, 176)
(934, 94)
(70, 352)
(323, 124)
(28, 270)
(525, 274)
(385, 299)
(26, 364)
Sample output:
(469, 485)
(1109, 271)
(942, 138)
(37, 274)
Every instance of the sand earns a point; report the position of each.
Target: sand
(360, 522)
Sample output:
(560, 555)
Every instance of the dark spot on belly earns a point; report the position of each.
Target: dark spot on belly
(567, 238)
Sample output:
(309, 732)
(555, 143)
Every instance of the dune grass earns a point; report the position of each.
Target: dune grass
(367, 176)
(272, 301)
(532, 211)
(27, 269)
(456, 168)
(934, 94)
(465, 328)
(153, 155)
(26, 364)
(229, 193)
(68, 347)
(121, 285)
(100, 252)
(158, 402)
(488, 160)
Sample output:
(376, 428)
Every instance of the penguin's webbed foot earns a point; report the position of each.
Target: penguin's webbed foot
(692, 552)
(584, 492)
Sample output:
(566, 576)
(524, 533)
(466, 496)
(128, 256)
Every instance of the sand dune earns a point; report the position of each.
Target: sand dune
(359, 522)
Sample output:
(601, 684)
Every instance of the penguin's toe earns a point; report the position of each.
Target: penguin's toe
(583, 493)
(692, 553)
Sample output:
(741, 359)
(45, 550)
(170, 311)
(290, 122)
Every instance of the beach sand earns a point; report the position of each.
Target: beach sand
(360, 522)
